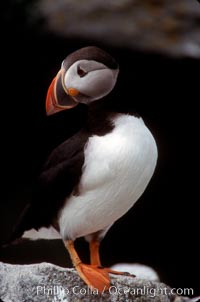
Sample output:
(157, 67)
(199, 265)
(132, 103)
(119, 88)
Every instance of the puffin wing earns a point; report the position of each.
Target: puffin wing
(58, 179)
(62, 170)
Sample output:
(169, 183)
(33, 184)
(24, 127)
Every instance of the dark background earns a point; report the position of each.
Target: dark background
(162, 228)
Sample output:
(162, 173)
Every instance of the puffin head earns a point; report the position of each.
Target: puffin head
(86, 75)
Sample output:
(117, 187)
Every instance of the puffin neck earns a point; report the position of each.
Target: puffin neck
(111, 106)
(100, 118)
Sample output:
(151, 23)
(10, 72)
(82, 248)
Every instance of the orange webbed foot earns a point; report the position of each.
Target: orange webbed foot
(94, 276)
(97, 277)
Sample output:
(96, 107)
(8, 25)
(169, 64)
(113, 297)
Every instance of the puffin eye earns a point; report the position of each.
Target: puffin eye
(81, 72)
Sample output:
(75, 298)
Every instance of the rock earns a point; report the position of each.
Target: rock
(46, 282)
(196, 299)
(141, 271)
(164, 26)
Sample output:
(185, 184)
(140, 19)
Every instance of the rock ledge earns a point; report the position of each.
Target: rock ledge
(48, 282)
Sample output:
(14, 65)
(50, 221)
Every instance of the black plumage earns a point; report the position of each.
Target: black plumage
(61, 173)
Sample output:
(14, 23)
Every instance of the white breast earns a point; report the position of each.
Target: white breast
(117, 169)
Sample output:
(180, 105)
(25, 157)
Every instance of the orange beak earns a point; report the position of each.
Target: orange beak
(59, 98)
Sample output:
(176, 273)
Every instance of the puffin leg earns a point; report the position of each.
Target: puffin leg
(94, 252)
(93, 275)
(95, 259)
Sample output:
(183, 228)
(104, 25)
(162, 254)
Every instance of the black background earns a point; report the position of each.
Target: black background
(162, 228)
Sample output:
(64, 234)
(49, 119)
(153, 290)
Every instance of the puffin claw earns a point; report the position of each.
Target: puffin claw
(110, 271)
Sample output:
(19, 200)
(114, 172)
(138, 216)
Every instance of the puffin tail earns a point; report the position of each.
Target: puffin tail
(23, 223)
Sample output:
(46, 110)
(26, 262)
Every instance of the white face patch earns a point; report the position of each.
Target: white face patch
(97, 81)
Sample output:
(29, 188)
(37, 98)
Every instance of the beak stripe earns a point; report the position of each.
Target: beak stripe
(58, 97)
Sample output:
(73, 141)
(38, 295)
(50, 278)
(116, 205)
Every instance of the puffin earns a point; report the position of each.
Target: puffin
(94, 177)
